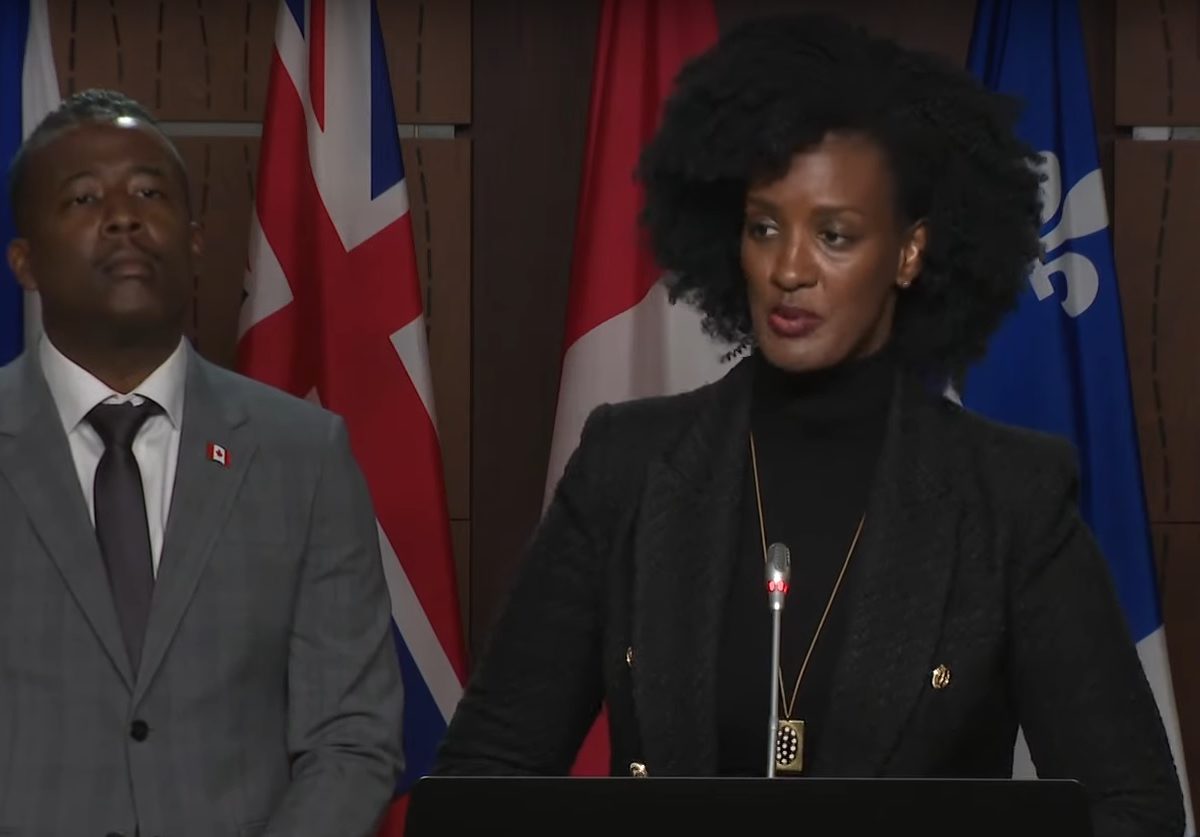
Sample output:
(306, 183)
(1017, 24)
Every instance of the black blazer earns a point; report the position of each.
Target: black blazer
(973, 557)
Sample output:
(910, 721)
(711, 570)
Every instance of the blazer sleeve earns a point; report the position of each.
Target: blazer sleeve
(344, 689)
(1083, 699)
(537, 689)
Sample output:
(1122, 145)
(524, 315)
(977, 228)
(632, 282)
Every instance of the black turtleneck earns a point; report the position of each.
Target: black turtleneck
(818, 437)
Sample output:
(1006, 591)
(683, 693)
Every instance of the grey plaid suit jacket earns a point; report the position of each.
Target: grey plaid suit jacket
(268, 699)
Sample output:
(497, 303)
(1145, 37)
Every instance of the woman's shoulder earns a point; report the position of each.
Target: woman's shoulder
(1009, 452)
(620, 441)
(642, 427)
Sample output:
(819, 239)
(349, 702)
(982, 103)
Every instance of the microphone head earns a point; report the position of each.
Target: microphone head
(779, 572)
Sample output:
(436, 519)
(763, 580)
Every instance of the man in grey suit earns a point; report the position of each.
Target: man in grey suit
(195, 634)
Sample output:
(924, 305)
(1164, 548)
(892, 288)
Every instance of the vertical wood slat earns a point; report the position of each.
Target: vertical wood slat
(208, 60)
(1158, 62)
(222, 173)
(428, 47)
(939, 26)
(202, 61)
(532, 75)
(1157, 251)
(439, 188)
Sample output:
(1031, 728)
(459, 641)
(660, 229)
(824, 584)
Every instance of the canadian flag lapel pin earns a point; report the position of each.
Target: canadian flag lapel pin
(218, 454)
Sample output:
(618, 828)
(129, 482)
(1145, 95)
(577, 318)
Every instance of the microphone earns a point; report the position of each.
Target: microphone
(778, 571)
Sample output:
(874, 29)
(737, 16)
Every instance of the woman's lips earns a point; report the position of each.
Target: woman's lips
(790, 322)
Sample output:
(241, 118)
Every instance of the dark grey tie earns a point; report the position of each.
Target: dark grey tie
(121, 527)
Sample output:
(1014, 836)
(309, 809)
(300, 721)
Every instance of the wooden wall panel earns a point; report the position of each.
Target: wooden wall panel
(439, 192)
(185, 61)
(941, 26)
(460, 536)
(1098, 18)
(532, 65)
(1158, 62)
(222, 175)
(209, 60)
(1157, 207)
(439, 188)
(428, 47)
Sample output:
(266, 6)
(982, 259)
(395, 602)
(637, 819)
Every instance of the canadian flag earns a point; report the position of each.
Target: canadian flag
(624, 339)
(218, 454)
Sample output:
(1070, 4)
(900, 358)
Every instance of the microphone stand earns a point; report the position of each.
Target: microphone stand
(778, 571)
(773, 731)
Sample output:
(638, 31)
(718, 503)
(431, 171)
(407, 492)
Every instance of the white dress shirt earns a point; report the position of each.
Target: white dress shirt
(156, 446)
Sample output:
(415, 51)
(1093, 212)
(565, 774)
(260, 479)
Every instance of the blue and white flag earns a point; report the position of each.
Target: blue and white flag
(28, 91)
(1058, 362)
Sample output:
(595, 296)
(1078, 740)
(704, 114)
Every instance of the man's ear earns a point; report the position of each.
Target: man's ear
(19, 263)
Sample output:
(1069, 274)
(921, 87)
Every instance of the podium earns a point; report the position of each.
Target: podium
(799, 807)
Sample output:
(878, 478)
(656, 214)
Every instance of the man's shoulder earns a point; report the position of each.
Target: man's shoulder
(23, 392)
(276, 413)
(12, 373)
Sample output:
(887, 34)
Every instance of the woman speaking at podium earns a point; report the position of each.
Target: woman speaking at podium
(857, 219)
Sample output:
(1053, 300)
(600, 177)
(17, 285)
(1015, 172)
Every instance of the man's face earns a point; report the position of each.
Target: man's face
(108, 240)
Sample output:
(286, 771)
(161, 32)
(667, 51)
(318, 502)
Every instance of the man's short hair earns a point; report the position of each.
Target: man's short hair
(94, 105)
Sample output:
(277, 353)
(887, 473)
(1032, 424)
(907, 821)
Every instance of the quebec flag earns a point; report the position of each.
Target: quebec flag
(1058, 362)
(28, 91)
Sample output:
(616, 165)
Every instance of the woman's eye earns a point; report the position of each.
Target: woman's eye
(760, 229)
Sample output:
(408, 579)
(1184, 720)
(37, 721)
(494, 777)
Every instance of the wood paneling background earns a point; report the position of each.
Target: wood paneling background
(533, 65)
(494, 215)
(1157, 212)
(1158, 205)
(1158, 62)
(208, 60)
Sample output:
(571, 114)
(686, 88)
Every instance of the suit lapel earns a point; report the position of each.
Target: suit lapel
(900, 583)
(683, 557)
(203, 494)
(36, 458)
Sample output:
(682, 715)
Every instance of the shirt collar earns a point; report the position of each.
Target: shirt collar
(76, 391)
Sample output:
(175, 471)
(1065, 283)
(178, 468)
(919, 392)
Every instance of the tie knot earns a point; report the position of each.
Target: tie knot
(117, 424)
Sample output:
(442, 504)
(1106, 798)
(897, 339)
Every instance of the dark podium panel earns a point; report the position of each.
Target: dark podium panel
(573, 807)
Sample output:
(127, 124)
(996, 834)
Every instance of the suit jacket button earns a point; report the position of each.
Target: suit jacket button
(638, 770)
(940, 678)
(139, 730)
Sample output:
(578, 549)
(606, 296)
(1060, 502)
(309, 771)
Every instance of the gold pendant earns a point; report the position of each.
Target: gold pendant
(789, 747)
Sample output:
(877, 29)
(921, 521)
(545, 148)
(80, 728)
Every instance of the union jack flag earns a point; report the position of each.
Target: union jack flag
(333, 313)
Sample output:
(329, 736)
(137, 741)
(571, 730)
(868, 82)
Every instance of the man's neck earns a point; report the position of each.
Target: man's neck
(120, 367)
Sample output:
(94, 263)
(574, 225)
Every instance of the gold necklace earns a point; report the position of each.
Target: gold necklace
(789, 734)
